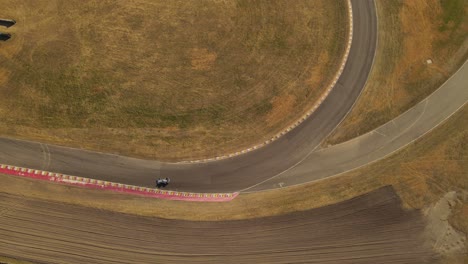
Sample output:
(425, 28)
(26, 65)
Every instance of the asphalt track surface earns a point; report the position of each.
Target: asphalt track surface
(381, 142)
(369, 229)
(227, 175)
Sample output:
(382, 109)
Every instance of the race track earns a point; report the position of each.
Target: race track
(372, 228)
(381, 142)
(293, 159)
(226, 175)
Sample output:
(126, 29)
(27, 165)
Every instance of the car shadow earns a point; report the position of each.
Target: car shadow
(5, 36)
(7, 22)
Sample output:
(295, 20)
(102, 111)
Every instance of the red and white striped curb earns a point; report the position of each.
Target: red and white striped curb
(308, 113)
(117, 187)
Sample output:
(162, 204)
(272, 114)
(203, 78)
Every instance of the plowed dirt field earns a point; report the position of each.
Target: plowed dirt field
(372, 228)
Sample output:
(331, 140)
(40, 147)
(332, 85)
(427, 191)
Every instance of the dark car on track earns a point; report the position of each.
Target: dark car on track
(162, 182)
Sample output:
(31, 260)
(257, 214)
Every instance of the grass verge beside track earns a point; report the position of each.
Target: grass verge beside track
(410, 33)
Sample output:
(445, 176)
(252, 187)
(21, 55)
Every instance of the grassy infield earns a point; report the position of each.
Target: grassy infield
(421, 173)
(165, 80)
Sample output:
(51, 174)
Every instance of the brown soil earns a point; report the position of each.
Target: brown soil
(410, 33)
(5, 260)
(161, 79)
(372, 228)
(445, 239)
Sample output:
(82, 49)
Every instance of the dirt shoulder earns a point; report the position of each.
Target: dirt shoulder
(6, 260)
(165, 80)
(372, 228)
(420, 44)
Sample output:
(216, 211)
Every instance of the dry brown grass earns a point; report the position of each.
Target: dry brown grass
(459, 220)
(164, 79)
(410, 32)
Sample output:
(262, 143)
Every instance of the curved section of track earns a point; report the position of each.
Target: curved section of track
(308, 113)
(230, 174)
(381, 142)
